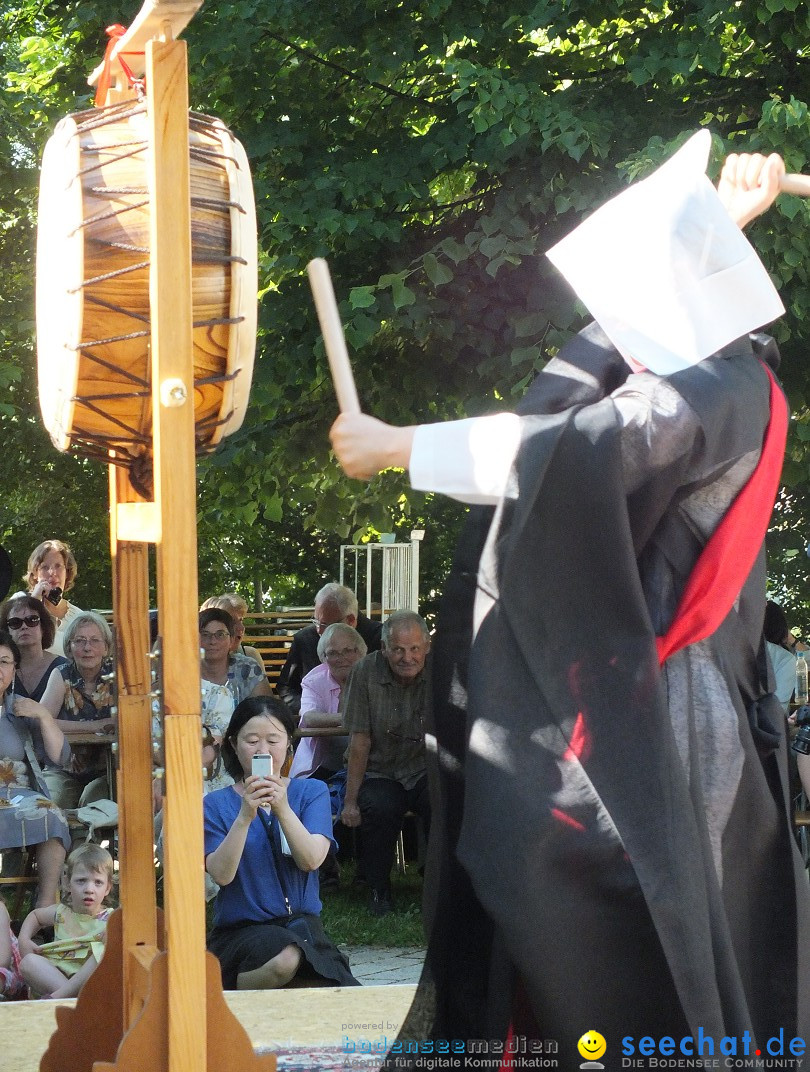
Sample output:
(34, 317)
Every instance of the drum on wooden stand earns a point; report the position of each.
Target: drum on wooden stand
(93, 314)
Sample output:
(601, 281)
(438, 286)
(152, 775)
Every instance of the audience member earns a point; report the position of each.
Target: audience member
(264, 841)
(384, 705)
(79, 695)
(782, 647)
(242, 675)
(59, 969)
(226, 679)
(33, 629)
(29, 736)
(12, 984)
(51, 572)
(237, 608)
(338, 649)
(333, 603)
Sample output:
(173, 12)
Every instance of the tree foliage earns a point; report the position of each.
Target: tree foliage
(431, 151)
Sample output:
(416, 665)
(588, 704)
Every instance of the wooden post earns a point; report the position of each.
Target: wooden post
(143, 1008)
(130, 575)
(175, 489)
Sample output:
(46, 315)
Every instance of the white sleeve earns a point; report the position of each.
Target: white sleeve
(469, 460)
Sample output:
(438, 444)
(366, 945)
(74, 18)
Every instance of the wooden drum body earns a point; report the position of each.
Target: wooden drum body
(93, 316)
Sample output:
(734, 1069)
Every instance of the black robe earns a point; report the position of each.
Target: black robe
(571, 883)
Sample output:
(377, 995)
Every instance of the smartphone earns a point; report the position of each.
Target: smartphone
(262, 766)
(54, 596)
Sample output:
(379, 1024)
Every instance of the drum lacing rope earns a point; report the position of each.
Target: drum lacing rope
(110, 275)
(108, 215)
(91, 118)
(82, 347)
(136, 436)
(127, 247)
(213, 202)
(134, 146)
(95, 300)
(115, 33)
(85, 345)
(115, 368)
(105, 191)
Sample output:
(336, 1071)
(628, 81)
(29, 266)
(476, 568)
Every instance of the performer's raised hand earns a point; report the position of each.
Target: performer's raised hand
(365, 446)
(749, 183)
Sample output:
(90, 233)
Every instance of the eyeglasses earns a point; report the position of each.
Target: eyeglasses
(219, 635)
(344, 653)
(17, 623)
(93, 642)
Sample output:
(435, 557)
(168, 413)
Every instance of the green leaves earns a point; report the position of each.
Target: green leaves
(436, 272)
(432, 152)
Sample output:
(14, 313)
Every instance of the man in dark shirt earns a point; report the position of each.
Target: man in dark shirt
(333, 603)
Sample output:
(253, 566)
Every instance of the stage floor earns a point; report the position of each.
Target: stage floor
(273, 1019)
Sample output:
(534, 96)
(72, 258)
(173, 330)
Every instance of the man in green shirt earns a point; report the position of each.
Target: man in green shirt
(384, 706)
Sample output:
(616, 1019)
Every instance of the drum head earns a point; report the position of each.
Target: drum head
(60, 276)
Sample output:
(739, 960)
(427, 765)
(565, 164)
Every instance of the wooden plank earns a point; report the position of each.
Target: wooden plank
(175, 494)
(313, 1017)
(130, 558)
(138, 521)
(152, 21)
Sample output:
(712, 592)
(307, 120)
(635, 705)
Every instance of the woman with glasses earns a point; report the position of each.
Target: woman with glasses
(79, 695)
(29, 737)
(237, 608)
(226, 678)
(51, 572)
(338, 649)
(32, 629)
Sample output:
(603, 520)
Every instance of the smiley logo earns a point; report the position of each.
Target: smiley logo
(592, 1046)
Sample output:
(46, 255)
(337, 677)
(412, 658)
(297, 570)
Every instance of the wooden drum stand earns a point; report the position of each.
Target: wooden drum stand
(155, 1003)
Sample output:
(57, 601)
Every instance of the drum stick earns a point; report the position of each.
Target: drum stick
(332, 330)
(795, 184)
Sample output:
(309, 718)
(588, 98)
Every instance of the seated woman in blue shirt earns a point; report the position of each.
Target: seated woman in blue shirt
(265, 839)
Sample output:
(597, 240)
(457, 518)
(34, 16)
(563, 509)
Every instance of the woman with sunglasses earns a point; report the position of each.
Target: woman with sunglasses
(29, 737)
(51, 572)
(32, 629)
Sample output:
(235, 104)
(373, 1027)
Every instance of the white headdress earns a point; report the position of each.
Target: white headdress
(664, 269)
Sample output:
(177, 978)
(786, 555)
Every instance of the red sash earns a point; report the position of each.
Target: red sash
(725, 562)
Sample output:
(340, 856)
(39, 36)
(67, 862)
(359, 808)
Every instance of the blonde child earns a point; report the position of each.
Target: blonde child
(11, 982)
(60, 968)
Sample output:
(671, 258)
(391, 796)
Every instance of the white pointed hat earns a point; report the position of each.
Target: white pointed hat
(665, 271)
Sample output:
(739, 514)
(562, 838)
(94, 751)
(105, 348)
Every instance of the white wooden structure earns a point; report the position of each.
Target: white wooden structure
(384, 576)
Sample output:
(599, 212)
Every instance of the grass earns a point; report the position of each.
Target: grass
(347, 921)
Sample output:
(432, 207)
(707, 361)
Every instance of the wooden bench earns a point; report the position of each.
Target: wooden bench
(24, 881)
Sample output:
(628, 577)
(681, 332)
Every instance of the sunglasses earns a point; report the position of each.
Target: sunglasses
(29, 620)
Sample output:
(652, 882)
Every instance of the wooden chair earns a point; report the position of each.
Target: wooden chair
(19, 883)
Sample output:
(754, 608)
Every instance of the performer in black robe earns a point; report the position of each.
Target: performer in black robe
(612, 848)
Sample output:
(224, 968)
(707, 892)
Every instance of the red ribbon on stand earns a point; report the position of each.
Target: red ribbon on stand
(115, 33)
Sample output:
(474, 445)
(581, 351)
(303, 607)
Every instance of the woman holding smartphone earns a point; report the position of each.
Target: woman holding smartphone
(51, 572)
(265, 838)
